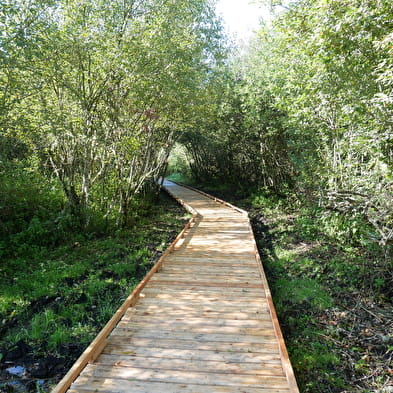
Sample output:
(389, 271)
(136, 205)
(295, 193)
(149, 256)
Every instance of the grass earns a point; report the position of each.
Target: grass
(52, 297)
(331, 308)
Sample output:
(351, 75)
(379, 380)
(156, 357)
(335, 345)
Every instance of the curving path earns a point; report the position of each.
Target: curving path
(204, 322)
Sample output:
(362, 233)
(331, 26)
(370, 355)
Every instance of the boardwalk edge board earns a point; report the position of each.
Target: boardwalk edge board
(98, 344)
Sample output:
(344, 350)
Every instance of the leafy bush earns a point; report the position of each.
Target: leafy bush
(26, 194)
(303, 291)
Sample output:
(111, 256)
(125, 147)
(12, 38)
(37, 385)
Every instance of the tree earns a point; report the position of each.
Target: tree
(327, 65)
(242, 142)
(109, 87)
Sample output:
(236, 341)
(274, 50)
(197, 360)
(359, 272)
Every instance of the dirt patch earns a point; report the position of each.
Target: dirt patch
(23, 368)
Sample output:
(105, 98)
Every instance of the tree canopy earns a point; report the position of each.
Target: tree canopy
(98, 90)
(95, 95)
(309, 106)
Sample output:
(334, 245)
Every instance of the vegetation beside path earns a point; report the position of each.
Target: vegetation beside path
(336, 314)
(55, 299)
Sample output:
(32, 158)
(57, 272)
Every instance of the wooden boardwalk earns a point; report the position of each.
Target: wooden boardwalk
(201, 321)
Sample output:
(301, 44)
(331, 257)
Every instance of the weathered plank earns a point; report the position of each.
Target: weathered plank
(227, 263)
(191, 283)
(213, 271)
(194, 320)
(192, 313)
(205, 296)
(196, 365)
(265, 347)
(267, 337)
(261, 329)
(197, 352)
(107, 385)
(198, 291)
(201, 378)
(222, 306)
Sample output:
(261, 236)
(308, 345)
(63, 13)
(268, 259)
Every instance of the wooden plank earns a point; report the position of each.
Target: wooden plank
(193, 283)
(158, 334)
(204, 273)
(222, 231)
(195, 301)
(206, 314)
(219, 250)
(206, 223)
(207, 297)
(228, 258)
(251, 304)
(213, 289)
(154, 375)
(218, 262)
(195, 321)
(203, 296)
(219, 239)
(172, 307)
(203, 277)
(219, 266)
(174, 310)
(184, 326)
(221, 228)
(229, 269)
(213, 353)
(153, 290)
(216, 237)
(108, 385)
(199, 286)
(267, 347)
(182, 364)
(239, 255)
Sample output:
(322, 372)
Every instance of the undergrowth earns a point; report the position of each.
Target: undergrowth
(56, 296)
(332, 290)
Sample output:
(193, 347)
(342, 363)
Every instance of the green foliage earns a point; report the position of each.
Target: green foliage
(349, 230)
(317, 357)
(303, 291)
(243, 146)
(327, 64)
(178, 161)
(99, 90)
(300, 296)
(66, 294)
(318, 272)
(307, 225)
(30, 206)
